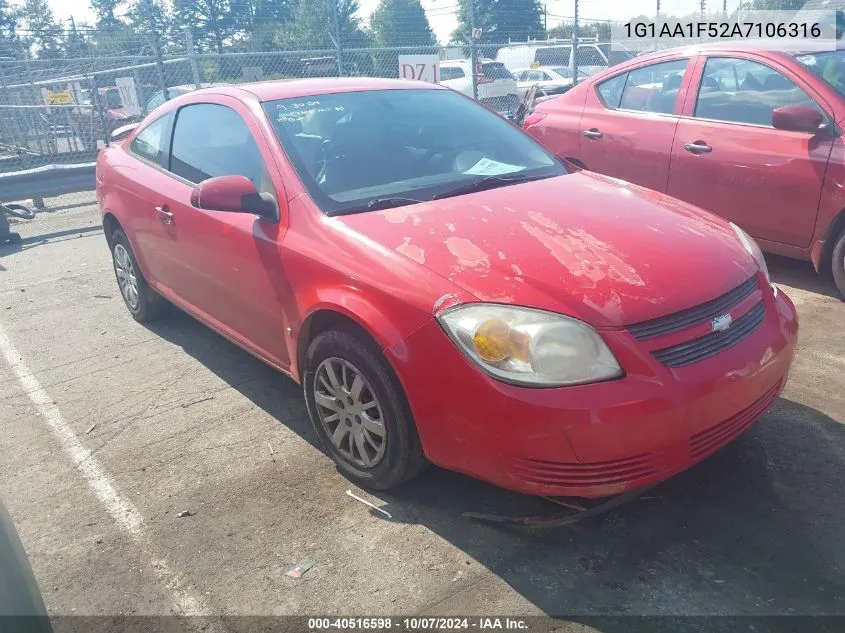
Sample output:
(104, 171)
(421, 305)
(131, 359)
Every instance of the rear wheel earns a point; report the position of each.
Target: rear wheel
(839, 263)
(143, 302)
(359, 411)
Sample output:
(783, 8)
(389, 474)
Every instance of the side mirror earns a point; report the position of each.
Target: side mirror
(120, 133)
(235, 194)
(797, 118)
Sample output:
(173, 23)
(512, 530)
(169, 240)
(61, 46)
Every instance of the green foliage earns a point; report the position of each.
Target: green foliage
(43, 34)
(104, 10)
(400, 23)
(314, 22)
(9, 43)
(501, 20)
(600, 30)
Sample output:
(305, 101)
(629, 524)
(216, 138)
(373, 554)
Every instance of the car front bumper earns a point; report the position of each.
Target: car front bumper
(593, 440)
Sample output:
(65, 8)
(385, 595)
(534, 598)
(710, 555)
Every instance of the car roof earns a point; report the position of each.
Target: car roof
(271, 90)
(734, 46)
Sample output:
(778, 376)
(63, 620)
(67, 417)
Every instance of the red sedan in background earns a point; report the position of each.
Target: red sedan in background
(443, 288)
(752, 136)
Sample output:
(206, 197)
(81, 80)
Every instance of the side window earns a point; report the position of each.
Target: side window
(451, 72)
(523, 76)
(654, 88)
(150, 142)
(742, 91)
(544, 76)
(610, 90)
(535, 75)
(590, 56)
(212, 140)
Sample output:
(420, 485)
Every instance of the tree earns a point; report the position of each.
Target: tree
(260, 19)
(501, 21)
(212, 22)
(104, 11)
(400, 23)
(8, 31)
(314, 22)
(43, 33)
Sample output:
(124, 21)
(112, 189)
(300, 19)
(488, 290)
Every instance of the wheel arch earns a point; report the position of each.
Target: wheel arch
(110, 225)
(834, 230)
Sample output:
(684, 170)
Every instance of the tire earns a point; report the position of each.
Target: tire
(838, 264)
(18, 211)
(144, 303)
(401, 453)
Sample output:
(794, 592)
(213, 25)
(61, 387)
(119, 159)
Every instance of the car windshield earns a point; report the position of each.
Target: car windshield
(829, 66)
(563, 72)
(355, 150)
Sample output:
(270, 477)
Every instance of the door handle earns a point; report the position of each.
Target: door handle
(698, 148)
(164, 214)
(593, 133)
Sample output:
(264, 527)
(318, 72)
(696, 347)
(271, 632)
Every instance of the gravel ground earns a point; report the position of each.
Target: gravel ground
(174, 418)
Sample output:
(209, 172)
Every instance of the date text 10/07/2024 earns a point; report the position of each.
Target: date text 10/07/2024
(418, 624)
(723, 30)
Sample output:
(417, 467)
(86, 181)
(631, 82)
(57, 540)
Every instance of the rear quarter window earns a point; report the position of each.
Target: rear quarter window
(151, 141)
(610, 90)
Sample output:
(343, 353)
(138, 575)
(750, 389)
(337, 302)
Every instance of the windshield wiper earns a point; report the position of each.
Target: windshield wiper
(386, 203)
(488, 182)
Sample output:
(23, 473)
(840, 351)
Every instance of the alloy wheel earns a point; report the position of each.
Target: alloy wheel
(350, 412)
(126, 277)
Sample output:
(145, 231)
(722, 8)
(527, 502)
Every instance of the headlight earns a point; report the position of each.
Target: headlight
(530, 347)
(754, 250)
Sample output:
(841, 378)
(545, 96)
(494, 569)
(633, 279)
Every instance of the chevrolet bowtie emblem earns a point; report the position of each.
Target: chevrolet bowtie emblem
(721, 323)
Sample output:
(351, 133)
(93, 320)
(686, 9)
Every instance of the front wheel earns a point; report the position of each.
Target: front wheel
(359, 412)
(839, 263)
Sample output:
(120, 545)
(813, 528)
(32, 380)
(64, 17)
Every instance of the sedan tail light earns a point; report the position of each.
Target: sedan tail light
(534, 118)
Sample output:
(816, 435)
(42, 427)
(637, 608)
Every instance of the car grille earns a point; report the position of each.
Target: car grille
(579, 475)
(685, 318)
(706, 442)
(711, 344)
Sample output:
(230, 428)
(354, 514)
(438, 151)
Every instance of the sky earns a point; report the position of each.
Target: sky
(442, 14)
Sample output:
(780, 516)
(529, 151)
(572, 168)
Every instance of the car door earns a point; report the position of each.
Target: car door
(629, 120)
(140, 193)
(728, 159)
(225, 266)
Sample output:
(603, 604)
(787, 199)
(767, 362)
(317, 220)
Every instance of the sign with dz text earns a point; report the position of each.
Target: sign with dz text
(420, 68)
(128, 95)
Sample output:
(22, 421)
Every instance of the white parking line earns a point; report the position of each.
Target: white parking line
(122, 511)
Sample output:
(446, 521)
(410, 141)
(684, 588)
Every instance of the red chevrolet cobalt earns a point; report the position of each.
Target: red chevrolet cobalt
(443, 288)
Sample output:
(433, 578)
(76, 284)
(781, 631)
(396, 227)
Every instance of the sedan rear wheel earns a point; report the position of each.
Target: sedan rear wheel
(839, 264)
(143, 302)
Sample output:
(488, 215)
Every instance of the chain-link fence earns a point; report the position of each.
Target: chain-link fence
(60, 112)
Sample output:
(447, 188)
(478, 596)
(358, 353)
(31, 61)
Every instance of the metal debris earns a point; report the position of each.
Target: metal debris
(188, 404)
(300, 568)
(90, 428)
(184, 513)
(367, 503)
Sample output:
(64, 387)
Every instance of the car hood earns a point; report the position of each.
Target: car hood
(593, 247)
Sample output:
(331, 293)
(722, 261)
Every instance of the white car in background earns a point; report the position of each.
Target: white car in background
(497, 88)
(550, 80)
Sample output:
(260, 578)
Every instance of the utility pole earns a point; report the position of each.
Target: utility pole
(703, 7)
(151, 18)
(338, 43)
(657, 12)
(575, 46)
(189, 47)
(472, 53)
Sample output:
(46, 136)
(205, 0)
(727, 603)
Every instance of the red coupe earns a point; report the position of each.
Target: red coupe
(753, 136)
(443, 288)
